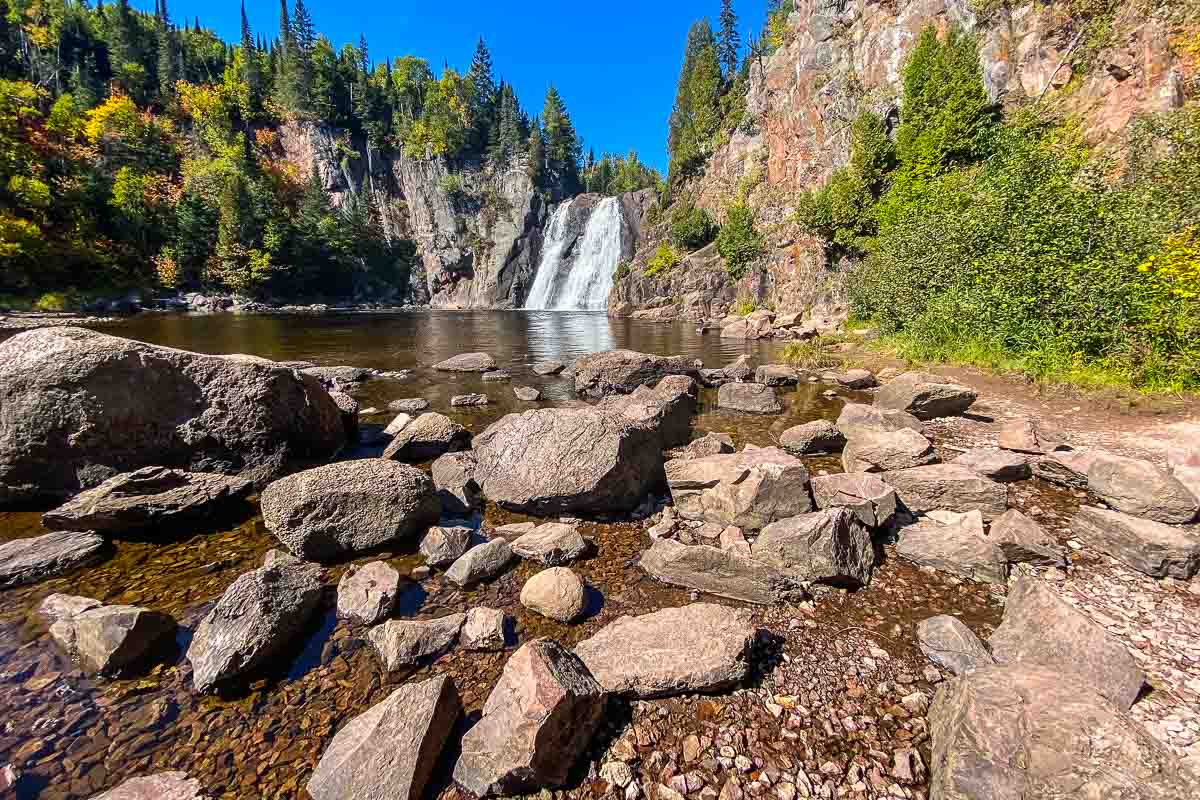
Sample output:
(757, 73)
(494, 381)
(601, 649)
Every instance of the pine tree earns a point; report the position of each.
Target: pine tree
(251, 68)
(729, 42)
(168, 52)
(304, 38)
(537, 153)
(563, 147)
(121, 55)
(696, 116)
(483, 94)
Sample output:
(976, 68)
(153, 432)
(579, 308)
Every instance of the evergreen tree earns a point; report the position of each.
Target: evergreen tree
(729, 42)
(696, 117)
(563, 147)
(483, 93)
(168, 53)
(537, 153)
(251, 67)
(304, 39)
(284, 87)
(122, 56)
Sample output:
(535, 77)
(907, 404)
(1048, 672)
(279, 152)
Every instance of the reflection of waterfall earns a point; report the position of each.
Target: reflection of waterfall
(588, 278)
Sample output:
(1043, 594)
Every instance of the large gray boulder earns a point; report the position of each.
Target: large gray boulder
(884, 451)
(948, 487)
(1022, 540)
(954, 543)
(253, 622)
(64, 606)
(405, 642)
(367, 594)
(454, 479)
(1024, 731)
(856, 417)
(427, 437)
(114, 640)
(480, 563)
(340, 509)
(947, 642)
(753, 398)
(622, 371)
(467, 362)
(147, 498)
(163, 786)
(924, 396)
(871, 500)
(818, 436)
(556, 461)
(1137, 487)
(556, 593)
(1149, 547)
(700, 647)
(552, 544)
(28, 560)
(389, 751)
(830, 546)
(666, 409)
(78, 407)
(725, 573)
(749, 489)
(1043, 630)
(535, 725)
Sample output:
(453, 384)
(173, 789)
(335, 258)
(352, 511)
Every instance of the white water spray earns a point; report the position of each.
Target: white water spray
(589, 279)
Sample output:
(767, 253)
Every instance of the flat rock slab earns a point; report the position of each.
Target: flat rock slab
(527, 394)
(146, 498)
(403, 643)
(349, 507)
(409, 405)
(467, 362)
(480, 563)
(1043, 630)
(622, 371)
(871, 500)
(1026, 732)
(536, 723)
(885, 451)
(390, 750)
(552, 544)
(114, 640)
(163, 786)
(752, 398)
(720, 572)
(1022, 540)
(1149, 547)
(924, 396)
(750, 489)
(443, 546)
(25, 561)
(556, 593)
(1137, 487)
(548, 367)
(427, 437)
(959, 548)
(948, 487)
(469, 400)
(856, 417)
(254, 621)
(818, 436)
(947, 642)
(830, 546)
(700, 647)
(331, 376)
(497, 376)
(996, 464)
(367, 594)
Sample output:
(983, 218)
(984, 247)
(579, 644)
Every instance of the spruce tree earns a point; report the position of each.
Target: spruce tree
(251, 69)
(729, 42)
(536, 153)
(283, 61)
(304, 38)
(562, 143)
(483, 94)
(168, 53)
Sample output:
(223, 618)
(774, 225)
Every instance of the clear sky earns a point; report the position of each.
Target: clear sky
(615, 63)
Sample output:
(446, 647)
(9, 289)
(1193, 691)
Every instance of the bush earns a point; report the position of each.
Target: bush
(738, 242)
(810, 355)
(664, 259)
(744, 307)
(691, 227)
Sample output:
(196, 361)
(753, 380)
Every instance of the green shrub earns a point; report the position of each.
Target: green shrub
(622, 270)
(691, 227)
(744, 307)
(810, 355)
(738, 242)
(664, 259)
(452, 184)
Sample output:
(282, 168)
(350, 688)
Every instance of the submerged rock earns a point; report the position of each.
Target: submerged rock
(622, 371)
(367, 594)
(163, 786)
(28, 560)
(404, 642)
(830, 546)
(410, 405)
(700, 647)
(467, 362)
(750, 489)
(390, 750)
(924, 396)
(724, 573)
(427, 437)
(557, 593)
(947, 642)
(349, 507)
(469, 400)
(535, 725)
(114, 640)
(1149, 547)
(754, 398)
(548, 367)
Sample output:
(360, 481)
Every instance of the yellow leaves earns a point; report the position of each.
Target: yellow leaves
(1177, 264)
(18, 237)
(208, 105)
(30, 192)
(166, 268)
(116, 116)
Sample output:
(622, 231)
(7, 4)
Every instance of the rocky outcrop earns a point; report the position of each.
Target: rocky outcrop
(68, 420)
(28, 560)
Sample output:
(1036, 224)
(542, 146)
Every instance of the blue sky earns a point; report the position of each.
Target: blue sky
(615, 64)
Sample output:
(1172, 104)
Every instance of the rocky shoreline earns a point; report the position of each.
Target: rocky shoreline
(563, 572)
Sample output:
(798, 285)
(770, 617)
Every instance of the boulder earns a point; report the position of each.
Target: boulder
(666, 409)
(480, 563)
(622, 371)
(955, 544)
(1040, 629)
(427, 437)
(64, 606)
(253, 622)
(483, 630)
(883, 451)
(856, 417)
(398, 423)
(742, 369)
(755, 326)
(390, 750)
(1023, 541)
(552, 544)
(28, 560)
(818, 436)
(830, 546)
(367, 594)
(557, 593)
(750, 489)
(163, 786)
(947, 642)
(1024, 732)
(719, 572)
(868, 497)
(147, 498)
(556, 461)
(857, 379)
(114, 640)
(1069, 470)
(454, 479)
(405, 642)
(68, 420)
(753, 398)
(776, 375)
(349, 507)
(469, 400)
(467, 362)
(409, 405)
(1183, 455)
(995, 464)
(949, 487)
(536, 724)
(548, 367)
(1030, 437)
(341, 375)
(700, 647)
(1139, 488)
(443, 546)
(924, 396)
(1149, 547)
(527, 394)
(349, 409)
(711, 444)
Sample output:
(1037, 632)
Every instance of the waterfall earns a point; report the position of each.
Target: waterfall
(589, 275)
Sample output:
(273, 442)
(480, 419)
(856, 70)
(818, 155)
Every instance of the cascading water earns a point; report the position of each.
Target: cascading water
(589, 278)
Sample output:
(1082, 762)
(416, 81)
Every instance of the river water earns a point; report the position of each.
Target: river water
(73, 736)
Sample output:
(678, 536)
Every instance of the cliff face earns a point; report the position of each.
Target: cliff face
(841, 57)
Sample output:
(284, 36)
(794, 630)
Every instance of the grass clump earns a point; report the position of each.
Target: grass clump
(664, 260)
